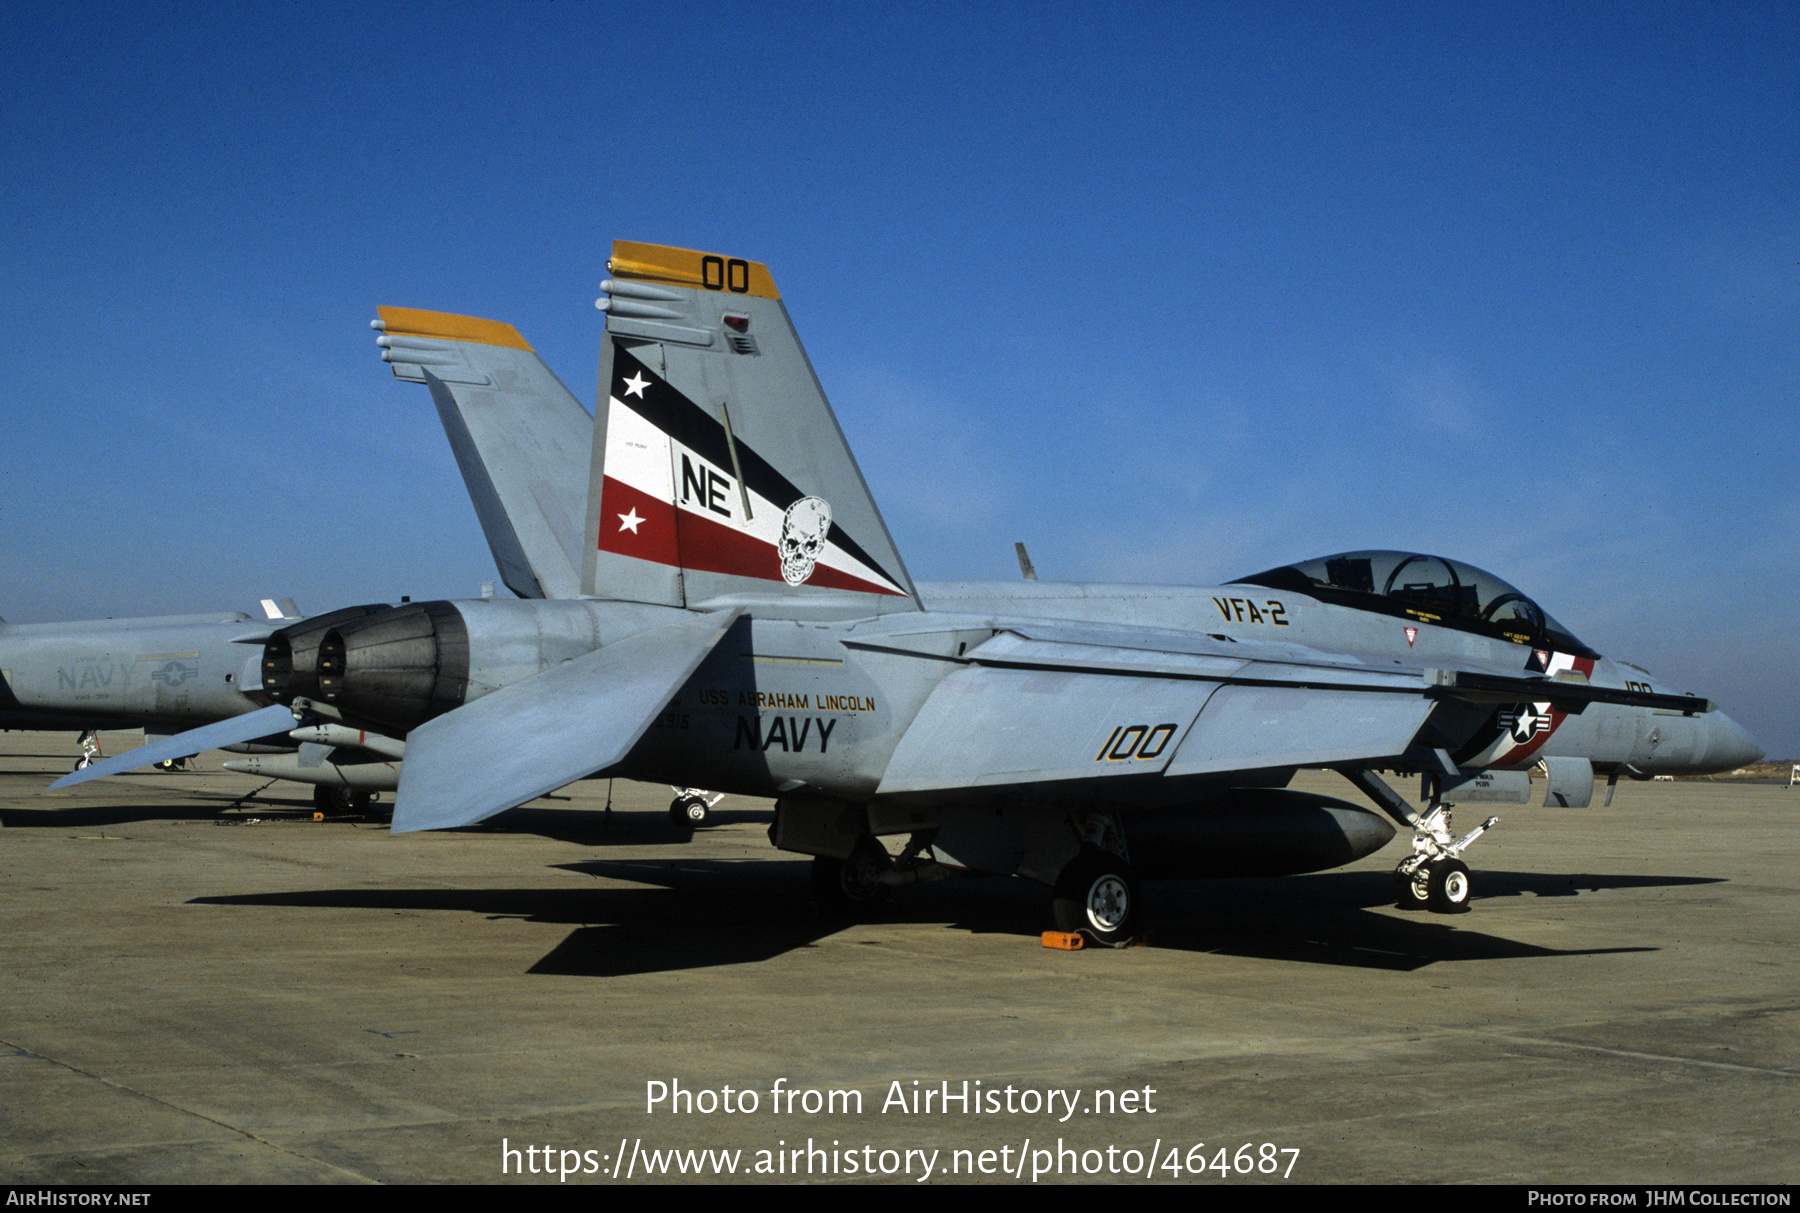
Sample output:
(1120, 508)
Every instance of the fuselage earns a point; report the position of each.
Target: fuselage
(1614, 736)
(175, 671)
(824, 704)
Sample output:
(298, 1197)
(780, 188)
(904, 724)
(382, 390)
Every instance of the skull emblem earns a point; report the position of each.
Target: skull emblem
(803, 532)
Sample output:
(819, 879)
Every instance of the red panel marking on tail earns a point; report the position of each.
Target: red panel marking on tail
(633, 523)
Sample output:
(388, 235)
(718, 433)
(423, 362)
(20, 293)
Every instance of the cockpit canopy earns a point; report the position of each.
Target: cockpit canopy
(1429, 589)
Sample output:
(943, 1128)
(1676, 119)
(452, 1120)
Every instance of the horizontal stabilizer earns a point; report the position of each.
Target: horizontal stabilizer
(262, 723)
(535, 736)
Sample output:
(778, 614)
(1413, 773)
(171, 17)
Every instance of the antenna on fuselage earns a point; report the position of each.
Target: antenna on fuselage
(1025, 566)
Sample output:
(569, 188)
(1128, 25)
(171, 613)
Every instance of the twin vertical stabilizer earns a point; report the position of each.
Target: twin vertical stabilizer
(719, 472)
(519, 437)
(715, 470)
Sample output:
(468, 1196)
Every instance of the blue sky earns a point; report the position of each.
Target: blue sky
(1172, 293)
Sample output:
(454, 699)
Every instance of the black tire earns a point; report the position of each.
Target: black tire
(333, 801)
(1412, 891)
(1098, 896)
(1448, 886)
(850, 888)
(689, 812)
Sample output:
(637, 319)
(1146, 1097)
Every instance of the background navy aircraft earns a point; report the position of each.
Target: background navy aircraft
(164, 673)
(168, 673)
(735, 615)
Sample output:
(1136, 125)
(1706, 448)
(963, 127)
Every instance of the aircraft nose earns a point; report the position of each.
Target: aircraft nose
(1728, 744)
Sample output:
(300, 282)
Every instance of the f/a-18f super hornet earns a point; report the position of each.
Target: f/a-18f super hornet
(734, 615)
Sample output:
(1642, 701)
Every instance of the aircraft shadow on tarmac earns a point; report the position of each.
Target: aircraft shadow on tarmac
(681, 914)
(179, 807)
(702, 913)
(626, 828)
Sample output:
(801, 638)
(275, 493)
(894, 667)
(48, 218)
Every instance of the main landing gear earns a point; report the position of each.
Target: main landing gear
(340, 801)
(1434, 877)
(692, 808)
(850, 887)
(853, 887)
(1097, 896)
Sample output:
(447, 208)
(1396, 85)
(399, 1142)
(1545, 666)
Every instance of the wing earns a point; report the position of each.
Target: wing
(1044, 703)
(1041, 704)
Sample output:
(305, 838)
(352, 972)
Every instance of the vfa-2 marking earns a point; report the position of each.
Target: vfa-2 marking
(1243, 610)
(1136, 742)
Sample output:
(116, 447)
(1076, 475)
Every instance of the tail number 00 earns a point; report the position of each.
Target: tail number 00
(718, 274)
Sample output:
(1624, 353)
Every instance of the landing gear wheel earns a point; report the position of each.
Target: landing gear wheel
(335, 802)
(850, 888)
(1412, 890)
(689, 812)
(1448, 886)
(1098, 896)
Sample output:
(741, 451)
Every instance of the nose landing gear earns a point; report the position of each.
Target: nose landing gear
(1434, 877)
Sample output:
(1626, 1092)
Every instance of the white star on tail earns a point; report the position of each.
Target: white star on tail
(629, 522)
(635, 385)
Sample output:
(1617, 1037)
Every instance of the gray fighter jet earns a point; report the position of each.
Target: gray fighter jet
(168, 673)
(164, 673)
(735, 616)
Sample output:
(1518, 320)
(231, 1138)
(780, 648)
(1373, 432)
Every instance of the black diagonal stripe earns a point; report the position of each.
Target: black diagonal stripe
(695, 428)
